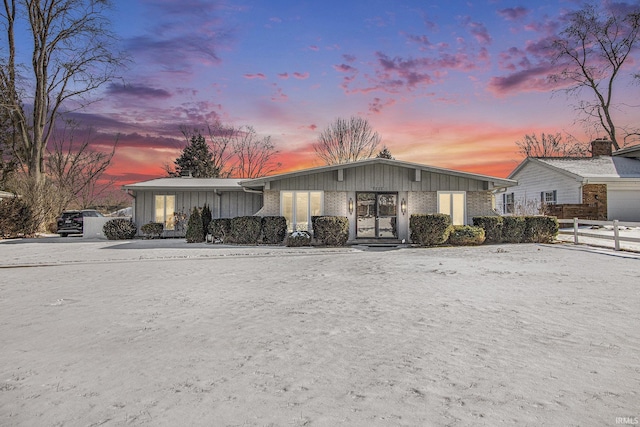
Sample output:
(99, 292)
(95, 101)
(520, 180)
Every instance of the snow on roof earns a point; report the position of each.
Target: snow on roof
(185, 183)
(596, 167)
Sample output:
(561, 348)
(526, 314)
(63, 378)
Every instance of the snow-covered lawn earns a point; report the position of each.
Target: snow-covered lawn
(162, 333)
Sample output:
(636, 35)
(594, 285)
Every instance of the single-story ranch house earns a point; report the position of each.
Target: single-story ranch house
(605, 186)
(376, 195)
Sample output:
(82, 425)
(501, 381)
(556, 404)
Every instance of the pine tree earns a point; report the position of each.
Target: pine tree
(195, 232)
(197, 160)
(385, 154)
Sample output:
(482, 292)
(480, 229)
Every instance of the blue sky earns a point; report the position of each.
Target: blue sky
(451, 84)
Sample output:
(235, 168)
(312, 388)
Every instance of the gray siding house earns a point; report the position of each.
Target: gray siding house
(608, 181)
(377, 195)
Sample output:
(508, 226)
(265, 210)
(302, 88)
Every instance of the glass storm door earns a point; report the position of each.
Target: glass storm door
(377, 214)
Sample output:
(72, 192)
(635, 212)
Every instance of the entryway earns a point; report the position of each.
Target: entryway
(377, 215)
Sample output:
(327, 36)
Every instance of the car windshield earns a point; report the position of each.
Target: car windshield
(71, 214)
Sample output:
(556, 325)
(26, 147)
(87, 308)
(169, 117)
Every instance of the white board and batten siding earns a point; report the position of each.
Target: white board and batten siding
(378, 177)
(535, 179)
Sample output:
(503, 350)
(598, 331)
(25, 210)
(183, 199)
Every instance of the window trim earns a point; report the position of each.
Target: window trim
(554, 195)
(508, 206)
(293, 225)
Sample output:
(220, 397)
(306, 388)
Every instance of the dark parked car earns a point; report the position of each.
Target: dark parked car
(70, 222)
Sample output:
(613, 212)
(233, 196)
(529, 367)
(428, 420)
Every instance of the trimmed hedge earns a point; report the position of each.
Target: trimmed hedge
(274, 229)
(152, 230)
(195, 232)
(314, 228)
(429, 229)
(299, 238)
(16, 218)
(246, 230)
(120, 229)
(513, 228)
(466, 235)
(492, 226)
(332, 230)
(220, 229)
(540, 229)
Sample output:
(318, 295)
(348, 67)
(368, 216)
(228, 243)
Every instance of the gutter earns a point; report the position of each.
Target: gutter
(249, 190)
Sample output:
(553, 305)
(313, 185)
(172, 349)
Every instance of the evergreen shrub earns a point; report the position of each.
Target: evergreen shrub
(513, 228)
(220, 229)
(429, 229)
(466, 235)
(206, 218)
(492, 226)
(195, 232)
(332, 230)
(274, 229)
(540, 229)
(299, 238)
(152, 230)
(246, 230)
(120, 229)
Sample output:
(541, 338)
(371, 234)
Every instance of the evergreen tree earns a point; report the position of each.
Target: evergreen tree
(197, 160)
(206, 218)
(385, 154)
(195, 232)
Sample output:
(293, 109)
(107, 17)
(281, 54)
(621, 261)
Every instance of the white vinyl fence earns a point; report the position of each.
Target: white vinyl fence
(607, 230)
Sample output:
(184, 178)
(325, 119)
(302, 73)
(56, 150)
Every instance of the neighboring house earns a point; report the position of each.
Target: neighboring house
(605, 185)
(376, 195)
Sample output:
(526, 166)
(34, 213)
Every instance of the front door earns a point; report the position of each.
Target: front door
(377, 214)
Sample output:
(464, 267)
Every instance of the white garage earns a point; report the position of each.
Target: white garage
(623, 205)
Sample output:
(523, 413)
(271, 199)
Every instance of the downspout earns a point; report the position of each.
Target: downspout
(218, 202)
(249, 190)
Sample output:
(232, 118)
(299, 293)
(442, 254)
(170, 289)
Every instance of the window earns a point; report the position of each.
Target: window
(453, 203)
(299, 206)
(508, 205)
(548, 197)
(165, 210)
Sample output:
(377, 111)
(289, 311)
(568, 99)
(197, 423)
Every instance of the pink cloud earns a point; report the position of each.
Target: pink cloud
(255, 76)
(314, 48)
(301, 76)
(349, 58)
(344, 68)
(378, 104)
(534, 79)
(283, 76)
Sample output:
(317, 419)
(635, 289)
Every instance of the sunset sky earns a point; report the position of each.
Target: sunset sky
(451, 84)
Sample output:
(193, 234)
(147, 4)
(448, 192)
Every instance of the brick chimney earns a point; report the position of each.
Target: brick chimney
(601, 147)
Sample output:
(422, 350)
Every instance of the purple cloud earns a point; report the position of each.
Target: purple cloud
(301, 76)
(139, 91)
(513, 13)
(283, 76)
(260, 76)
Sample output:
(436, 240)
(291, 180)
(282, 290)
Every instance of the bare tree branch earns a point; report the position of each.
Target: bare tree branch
(347, 140)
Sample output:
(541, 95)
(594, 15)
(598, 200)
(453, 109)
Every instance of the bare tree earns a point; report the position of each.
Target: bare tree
(591, 51)
(550, 146)
(253, 156)
(77, 170)
(347, 140)
(71, 56)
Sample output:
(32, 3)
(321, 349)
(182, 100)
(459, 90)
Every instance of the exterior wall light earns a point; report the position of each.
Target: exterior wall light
(403, 206)
(350, 205)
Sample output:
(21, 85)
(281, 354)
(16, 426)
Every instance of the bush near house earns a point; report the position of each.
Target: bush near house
(429, 229)
(195, 232)
(314, 228)
(16, 218)
(492, 226)
(206, 218)
(152, 230)
(466, 235)
(332, 230)
(120, 229)
(274, 229)
(513, 229)
(246, 230)
(298, 238)
(540, 229)
(220, 229)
